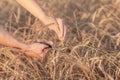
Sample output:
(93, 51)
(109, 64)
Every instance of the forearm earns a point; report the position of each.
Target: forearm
(34, 9)
(8, 40)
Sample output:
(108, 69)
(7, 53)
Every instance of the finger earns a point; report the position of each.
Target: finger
(64, 32)
(33, 55)
(47, 44)
(41, 55)
(38, 56)
(62, 29)
(60, 22)
(50, 42)
(46, 50)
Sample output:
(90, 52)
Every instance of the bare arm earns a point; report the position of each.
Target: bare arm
(8, 40)
(34, 9)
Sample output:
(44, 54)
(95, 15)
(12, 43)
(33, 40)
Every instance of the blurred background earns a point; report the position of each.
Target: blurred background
(91, 50)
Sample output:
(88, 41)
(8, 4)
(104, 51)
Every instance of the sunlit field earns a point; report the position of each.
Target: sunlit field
(90, 51)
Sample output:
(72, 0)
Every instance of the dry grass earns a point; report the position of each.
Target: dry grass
(91, 50)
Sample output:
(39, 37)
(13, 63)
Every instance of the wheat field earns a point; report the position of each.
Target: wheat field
(90, 51)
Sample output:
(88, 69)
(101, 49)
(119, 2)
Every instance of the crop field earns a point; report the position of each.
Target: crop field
(90, 51)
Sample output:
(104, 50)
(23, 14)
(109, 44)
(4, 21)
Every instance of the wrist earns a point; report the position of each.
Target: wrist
(44, 19)
(23, 46)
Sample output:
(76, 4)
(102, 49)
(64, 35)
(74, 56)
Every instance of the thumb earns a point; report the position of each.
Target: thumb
(62, 29)
(47, 48)
(46, 44)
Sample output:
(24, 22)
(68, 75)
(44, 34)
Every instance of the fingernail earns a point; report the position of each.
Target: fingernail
(50, 42)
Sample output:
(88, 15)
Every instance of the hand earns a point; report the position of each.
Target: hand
(37, 50)
(58, 27)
